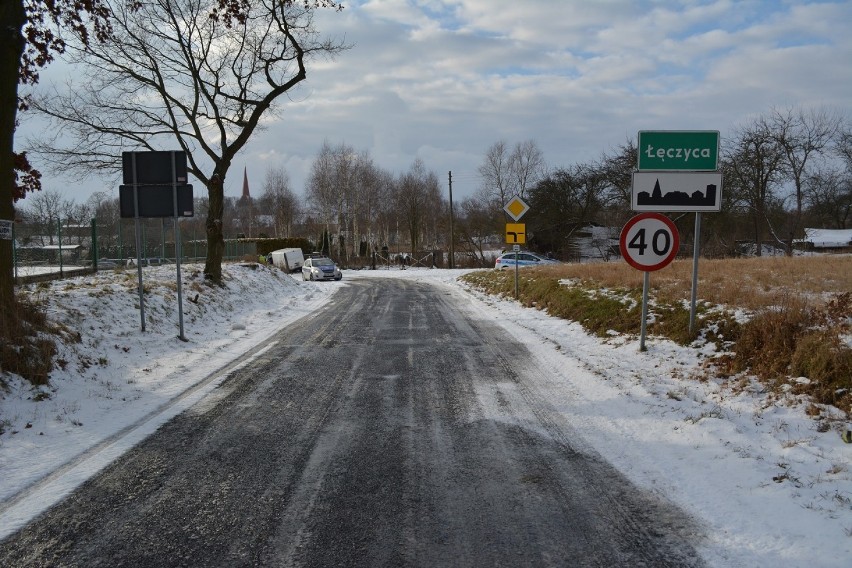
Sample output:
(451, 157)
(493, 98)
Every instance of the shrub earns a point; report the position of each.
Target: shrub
(824, 359)
(27, 347)
(767, 341)
(795, 338)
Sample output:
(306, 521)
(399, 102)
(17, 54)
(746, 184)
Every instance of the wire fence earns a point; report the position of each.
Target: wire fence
(59, 248)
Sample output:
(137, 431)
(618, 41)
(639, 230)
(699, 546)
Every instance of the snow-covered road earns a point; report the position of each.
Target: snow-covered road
(767, 486)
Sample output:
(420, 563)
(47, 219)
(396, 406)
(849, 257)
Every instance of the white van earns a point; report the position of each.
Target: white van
(290, 259)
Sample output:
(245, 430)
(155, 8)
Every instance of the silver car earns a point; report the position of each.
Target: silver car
(320, 268)
(522, 259)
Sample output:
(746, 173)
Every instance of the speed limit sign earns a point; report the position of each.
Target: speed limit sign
(649, 241)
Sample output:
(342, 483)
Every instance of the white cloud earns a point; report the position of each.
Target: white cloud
(444, 79)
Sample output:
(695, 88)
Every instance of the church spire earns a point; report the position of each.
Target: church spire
(246, 194)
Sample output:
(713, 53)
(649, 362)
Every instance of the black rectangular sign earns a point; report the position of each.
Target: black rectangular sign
(156, 201)
(154, 168)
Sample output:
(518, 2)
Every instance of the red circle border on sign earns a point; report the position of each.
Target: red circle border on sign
(622, 241)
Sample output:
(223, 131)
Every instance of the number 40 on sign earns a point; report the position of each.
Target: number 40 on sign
(649, 241)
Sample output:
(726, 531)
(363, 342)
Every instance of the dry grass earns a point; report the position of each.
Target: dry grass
(27, 344)
(748, 283)
(799, 310)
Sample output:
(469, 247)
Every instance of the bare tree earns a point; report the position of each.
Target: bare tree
(329, 188)
(279, 201)
(828, 186)
(505, 173)
(418, 199)
(348, 194)
(476, 228)
(45, 211)
(346, 180)
(181, 71)
(618, 168)
(105, 210)
(496, 185)
(753, 168)
(843, 145)
(803, 137)
(383, 208)
(526, 166)
(371, 203)
(79, 217)
(829, 198)
(563, 202)
(321, 197)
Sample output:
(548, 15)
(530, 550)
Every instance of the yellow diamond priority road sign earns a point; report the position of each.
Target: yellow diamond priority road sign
(516, 208)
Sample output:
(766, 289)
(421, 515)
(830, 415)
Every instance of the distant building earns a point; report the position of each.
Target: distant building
(839, 239)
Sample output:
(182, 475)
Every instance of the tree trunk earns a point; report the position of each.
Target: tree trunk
(215, 239)
(12, 18)
(758, 228)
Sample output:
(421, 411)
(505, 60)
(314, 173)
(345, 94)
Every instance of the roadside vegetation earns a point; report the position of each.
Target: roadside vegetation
(779, 319)
(27, 342)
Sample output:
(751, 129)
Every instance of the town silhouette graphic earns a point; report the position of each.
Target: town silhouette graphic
(697, 198)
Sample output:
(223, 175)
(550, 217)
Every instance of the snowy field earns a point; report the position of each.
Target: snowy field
(767, 487)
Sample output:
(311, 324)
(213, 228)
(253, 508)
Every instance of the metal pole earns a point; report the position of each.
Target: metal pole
(59, 236)
(517, 291)
(177, 248)
(94, 245)
(644, 324)
(452, 229)
(139, 263)
(14, 251)
(696, 248)
(138, 245)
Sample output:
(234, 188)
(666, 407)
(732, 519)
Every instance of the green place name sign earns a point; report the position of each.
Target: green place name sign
(678, 150)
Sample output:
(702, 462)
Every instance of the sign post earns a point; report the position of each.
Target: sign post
(516, 232)
(683, 176)
(155, 186)
(178, 251)
(648, 242)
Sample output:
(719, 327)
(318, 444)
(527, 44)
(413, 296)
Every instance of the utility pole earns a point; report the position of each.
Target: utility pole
(452, 233)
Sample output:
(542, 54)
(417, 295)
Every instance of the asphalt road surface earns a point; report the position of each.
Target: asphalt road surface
(389, 429)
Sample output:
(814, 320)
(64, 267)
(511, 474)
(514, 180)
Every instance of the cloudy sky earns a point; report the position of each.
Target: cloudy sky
(443, 80)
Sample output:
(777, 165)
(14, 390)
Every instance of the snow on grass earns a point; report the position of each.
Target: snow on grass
(118, 377)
